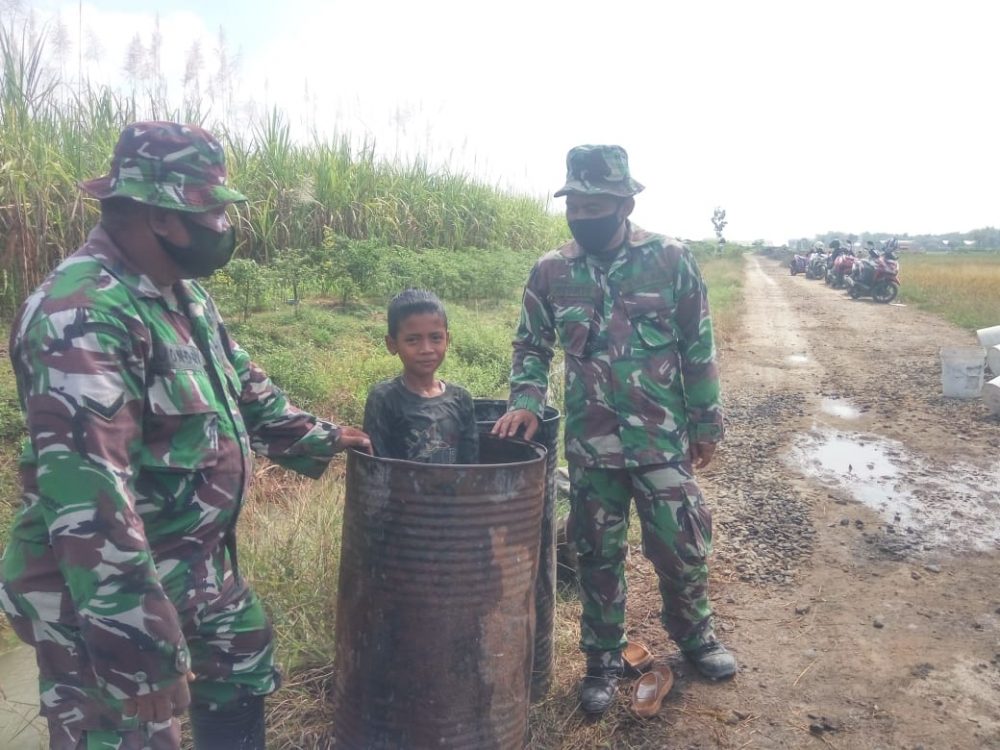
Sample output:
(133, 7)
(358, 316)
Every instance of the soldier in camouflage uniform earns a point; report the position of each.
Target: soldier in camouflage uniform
(142, 414)
(630, 310)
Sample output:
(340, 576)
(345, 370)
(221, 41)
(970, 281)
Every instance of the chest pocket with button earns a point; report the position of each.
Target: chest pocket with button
(649, 304)
(180, 421)
(574, 307)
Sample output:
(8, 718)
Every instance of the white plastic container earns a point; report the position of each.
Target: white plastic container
(988, 336)
(993, 358)
(962, 369)
(991, 395)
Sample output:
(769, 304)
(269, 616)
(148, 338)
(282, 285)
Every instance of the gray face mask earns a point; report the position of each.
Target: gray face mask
(208, 252)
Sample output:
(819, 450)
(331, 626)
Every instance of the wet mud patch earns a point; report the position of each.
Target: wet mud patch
(840, 408)
(925, 505)
(763, 522)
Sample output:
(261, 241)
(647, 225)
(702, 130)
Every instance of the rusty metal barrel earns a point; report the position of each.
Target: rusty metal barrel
(435, 606)
(488, 411)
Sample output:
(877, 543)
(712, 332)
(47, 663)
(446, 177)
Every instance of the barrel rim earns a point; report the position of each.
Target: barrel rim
(540, 450)
(549, 413)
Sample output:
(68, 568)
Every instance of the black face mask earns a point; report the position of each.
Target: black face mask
(593, 235)
(208, 252)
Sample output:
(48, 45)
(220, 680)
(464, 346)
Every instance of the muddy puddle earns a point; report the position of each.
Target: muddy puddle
(839, 408)
(954, 505)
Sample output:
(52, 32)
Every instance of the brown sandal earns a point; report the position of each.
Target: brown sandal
(650, 690)
(637, 658)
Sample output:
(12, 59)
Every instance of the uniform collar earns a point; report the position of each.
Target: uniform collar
(103, 249)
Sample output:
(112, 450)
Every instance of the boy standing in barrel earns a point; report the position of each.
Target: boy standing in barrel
(416, 416)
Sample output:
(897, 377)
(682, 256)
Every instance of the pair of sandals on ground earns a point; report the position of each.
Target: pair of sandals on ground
(653, 683)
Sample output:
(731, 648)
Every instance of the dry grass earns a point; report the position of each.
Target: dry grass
(964, 289)
(290, 549)
(724, 277)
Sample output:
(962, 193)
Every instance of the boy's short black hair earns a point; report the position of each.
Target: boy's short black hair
(413, 302)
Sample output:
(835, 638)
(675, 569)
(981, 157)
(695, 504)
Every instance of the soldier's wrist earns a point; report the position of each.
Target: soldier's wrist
(706, 432)
(524, 401)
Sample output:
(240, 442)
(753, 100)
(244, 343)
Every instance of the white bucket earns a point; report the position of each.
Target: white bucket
(962, 371)
(991, 395)
(988, 336)
(993, 358)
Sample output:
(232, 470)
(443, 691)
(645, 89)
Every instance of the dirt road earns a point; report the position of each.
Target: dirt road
(857, 514)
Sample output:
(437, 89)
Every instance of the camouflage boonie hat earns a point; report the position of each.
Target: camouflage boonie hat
(598, 170)
(169, 165)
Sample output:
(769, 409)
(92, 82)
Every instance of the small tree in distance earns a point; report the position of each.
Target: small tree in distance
(719, 222)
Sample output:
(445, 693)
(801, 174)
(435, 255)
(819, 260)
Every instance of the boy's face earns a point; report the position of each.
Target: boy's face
(420, 342)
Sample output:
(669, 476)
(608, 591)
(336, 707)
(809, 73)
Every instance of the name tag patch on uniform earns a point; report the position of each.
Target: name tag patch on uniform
(176, 357)
(571, 290)
(661, 284)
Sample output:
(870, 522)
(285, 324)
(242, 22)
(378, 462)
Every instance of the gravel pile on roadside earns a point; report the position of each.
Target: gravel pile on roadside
(763, 526)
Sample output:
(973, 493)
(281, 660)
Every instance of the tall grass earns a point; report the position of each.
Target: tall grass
(964, 289)
(50, 139)
(11, 431)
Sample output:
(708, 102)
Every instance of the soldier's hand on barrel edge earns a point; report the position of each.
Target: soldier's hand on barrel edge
(701, 454)
(352, 437)
(509, 424)
(160, 705)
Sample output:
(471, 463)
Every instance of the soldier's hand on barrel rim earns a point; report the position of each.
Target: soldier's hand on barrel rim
(702, 454)
(509, 424)
(352, 437)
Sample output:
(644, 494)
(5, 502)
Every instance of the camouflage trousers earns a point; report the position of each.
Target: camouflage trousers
(676, 538)
(230, 641)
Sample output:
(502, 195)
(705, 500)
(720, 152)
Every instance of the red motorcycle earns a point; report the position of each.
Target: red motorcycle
(877, 276)
(841, 270)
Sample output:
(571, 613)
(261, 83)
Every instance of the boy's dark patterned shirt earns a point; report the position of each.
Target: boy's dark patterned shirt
(438, 430)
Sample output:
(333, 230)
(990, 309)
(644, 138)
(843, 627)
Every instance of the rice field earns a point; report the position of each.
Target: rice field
(962, 288)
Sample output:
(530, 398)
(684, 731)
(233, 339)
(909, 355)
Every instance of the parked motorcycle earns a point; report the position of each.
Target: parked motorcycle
(816, 269)
(841, 269)
(877, 275)
(837, 252)
(800, 263)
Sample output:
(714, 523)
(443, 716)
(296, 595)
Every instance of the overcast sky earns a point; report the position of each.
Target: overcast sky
(796, 117)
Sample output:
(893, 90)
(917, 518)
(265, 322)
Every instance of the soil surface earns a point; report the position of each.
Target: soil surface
(856, 558)
(20, 726)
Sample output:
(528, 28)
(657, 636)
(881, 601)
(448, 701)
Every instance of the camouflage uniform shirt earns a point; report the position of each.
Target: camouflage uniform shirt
(141, 415)
(438, 430)
(641, 377)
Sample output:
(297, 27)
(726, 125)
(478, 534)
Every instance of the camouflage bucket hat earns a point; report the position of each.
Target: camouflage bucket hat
(598, 170)
(166, 164)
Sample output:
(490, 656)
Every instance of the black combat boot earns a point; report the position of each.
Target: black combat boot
(237, 727)
(599, 686)
(713, 660)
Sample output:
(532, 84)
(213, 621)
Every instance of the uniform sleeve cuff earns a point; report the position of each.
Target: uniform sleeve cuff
(530, 403)
(706, 432)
